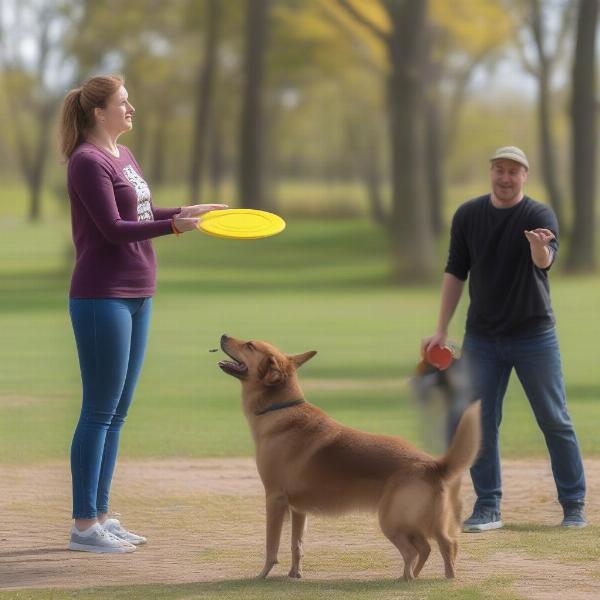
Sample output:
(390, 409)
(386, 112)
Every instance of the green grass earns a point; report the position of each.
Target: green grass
(542, 542)
(276, 588)
(322, 286)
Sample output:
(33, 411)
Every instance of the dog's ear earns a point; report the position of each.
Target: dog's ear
(299, 359)
(271, 372)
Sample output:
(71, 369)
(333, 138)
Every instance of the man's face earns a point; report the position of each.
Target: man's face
(508, 178)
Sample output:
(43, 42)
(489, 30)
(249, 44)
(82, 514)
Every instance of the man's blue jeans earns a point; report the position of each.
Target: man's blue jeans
(536, 360)
(111, 336)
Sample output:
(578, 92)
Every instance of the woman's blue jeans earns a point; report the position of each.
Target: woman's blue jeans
(111, 336)
(536, 360)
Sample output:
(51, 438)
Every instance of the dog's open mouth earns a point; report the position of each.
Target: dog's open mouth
(233, 367)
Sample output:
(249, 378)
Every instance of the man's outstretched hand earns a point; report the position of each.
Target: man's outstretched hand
(541, 253)
(539, 237)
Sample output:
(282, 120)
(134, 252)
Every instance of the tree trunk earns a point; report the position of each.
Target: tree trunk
(159, 151)
(40, 159)
(434, 157)
(547, 146)
(435, 163)
(583, 125)
(33, 157)
(372, 179)
(250, 174)
(138, 141)
(362, 143)
(204, 98)
(411, 220)
(217, 160)
(35, 196)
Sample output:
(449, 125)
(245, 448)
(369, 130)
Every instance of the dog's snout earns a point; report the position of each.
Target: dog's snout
(224, 338)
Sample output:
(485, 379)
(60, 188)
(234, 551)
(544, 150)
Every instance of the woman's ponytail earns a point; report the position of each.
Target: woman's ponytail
(72, 123)
(77, 116)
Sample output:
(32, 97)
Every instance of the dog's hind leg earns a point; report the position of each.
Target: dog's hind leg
(423, 548)
(448, 549)
(298, 529)
(276, 508)
(408, 551)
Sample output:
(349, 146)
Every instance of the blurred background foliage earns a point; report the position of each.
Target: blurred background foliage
(379, 109)
(365, 123)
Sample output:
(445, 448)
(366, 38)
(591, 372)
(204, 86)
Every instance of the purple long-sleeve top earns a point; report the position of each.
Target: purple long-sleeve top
(113, 220)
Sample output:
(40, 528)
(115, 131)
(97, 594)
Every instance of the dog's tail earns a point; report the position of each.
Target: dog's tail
(465, 443)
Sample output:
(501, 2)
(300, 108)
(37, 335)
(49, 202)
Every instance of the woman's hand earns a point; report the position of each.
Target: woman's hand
(183, 224)
(195, 210)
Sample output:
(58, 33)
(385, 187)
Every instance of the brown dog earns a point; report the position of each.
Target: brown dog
(310, 463)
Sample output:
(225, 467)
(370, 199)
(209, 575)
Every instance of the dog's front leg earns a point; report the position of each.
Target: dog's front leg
(276, 507)
(298, 528)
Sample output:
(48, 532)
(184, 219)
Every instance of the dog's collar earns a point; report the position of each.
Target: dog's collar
(277, 406)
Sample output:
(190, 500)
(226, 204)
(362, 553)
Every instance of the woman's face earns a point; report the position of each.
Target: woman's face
(117, 116)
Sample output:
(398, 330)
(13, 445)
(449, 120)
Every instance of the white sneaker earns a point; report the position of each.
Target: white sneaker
(97, 539)
(114, 527)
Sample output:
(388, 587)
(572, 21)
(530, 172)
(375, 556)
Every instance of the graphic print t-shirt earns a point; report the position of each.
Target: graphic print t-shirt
(113, 220)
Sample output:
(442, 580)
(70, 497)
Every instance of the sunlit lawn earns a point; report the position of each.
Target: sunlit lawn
(321, 285)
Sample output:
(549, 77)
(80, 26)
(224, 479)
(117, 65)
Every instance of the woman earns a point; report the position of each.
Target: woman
(114, 279)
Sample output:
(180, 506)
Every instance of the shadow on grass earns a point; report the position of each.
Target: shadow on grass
(35, 289)
(583, 393)
(549, 529)
(272, 588)
(533, 528)
(343, 255)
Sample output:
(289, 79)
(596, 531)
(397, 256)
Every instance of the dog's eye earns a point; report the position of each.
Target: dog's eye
(250, 345)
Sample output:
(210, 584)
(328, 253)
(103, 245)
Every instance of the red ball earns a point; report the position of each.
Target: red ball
(440, 357)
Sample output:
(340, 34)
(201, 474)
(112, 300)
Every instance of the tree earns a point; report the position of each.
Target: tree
(458, 37)
(356, 60)
(250, 170)
(30, 84)
(405, 42)
(542, 67)
(581, 255)
(462, 36)
(184, 129)
(204, 97)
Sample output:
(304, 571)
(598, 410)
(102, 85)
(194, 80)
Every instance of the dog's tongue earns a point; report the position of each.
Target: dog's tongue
(234, 365)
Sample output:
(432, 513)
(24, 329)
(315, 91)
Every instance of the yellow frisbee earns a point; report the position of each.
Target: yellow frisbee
(241, 224)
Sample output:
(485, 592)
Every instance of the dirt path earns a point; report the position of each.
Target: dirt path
(205, 522)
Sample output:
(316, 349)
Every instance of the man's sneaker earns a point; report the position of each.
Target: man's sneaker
(114, 526)
(574, 516)
(482, 519)
(97, 539)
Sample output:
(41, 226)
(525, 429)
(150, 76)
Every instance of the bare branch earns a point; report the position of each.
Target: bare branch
(537, 30)
(364, 21)
(462, 80)
(521, 45)
(566, 28)
(531, 68)
(23, 148)
(362, 53)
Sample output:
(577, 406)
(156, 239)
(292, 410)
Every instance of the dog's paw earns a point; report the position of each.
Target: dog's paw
(266, 569)
(295, 573)
(263, 574)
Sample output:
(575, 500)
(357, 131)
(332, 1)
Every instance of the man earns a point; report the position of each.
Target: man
(506, 243)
